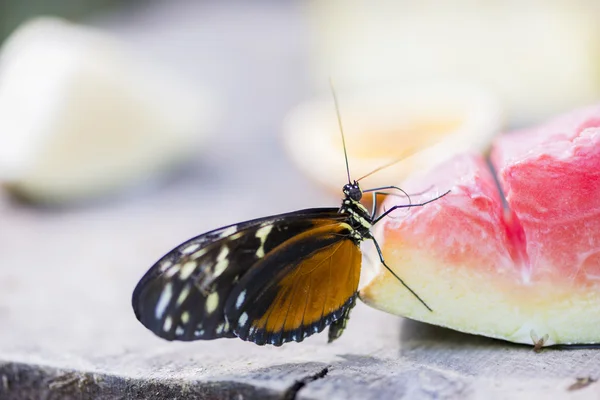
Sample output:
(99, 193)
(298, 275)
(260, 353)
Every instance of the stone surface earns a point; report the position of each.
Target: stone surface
(66, 275)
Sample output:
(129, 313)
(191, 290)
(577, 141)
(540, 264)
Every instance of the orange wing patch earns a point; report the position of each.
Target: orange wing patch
(319, 286)
(322, 284)
(304, 294)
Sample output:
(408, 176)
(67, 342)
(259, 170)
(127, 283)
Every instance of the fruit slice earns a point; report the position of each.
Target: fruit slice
(82, 116)
(528, 272)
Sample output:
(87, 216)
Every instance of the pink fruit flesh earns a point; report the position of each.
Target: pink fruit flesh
(553, 187)
(504, 272)
(471, 213)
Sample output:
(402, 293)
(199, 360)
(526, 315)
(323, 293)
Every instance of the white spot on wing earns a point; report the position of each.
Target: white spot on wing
(229, 231)
(190, 249)
(220, 328)
(198, 254)
(240, 299)
(183, 295)
(163, 300)
(236, 236)
(262, 234)
(179, 331)
(222, 262)
(212, 301)
(187, 269)
(165, 265)
(243, 319)
(168, 324)
(172, 271)
(185, 317)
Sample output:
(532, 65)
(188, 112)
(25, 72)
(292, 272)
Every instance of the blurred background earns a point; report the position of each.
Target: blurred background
(127, 127)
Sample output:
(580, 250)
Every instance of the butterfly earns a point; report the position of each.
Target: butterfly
(269, 280)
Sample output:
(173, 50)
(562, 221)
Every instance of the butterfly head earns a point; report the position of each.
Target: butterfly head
(352, 191)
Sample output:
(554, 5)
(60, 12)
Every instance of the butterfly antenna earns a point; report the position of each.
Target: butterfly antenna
(339, 118)
(382, 167)
(407, 152)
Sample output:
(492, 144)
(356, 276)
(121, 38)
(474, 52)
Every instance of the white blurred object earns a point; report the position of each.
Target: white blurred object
(80, 116)
(423, 124)
(539, 57)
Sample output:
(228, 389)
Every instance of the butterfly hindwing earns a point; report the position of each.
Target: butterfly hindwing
(337, 327)
(182, 296)
(297, 289)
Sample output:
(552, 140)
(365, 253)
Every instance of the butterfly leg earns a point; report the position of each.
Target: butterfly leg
(377, 191)
(396, 276)
(337, 327)
(407, 206)
(375, 194)
(374, 209)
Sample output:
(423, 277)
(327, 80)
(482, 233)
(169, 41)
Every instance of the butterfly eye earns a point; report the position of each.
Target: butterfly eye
(355, 193)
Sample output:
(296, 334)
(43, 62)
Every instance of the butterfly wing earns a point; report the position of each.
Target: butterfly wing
(337, 327)
(182, 296)
(298, 288)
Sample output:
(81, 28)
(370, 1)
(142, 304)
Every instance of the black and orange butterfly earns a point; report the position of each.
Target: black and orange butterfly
(269, 280)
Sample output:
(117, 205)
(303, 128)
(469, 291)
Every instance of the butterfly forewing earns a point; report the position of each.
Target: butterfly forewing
(299, 288)
(182, 296)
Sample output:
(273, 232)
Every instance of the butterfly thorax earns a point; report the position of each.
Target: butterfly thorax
(358, 216)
